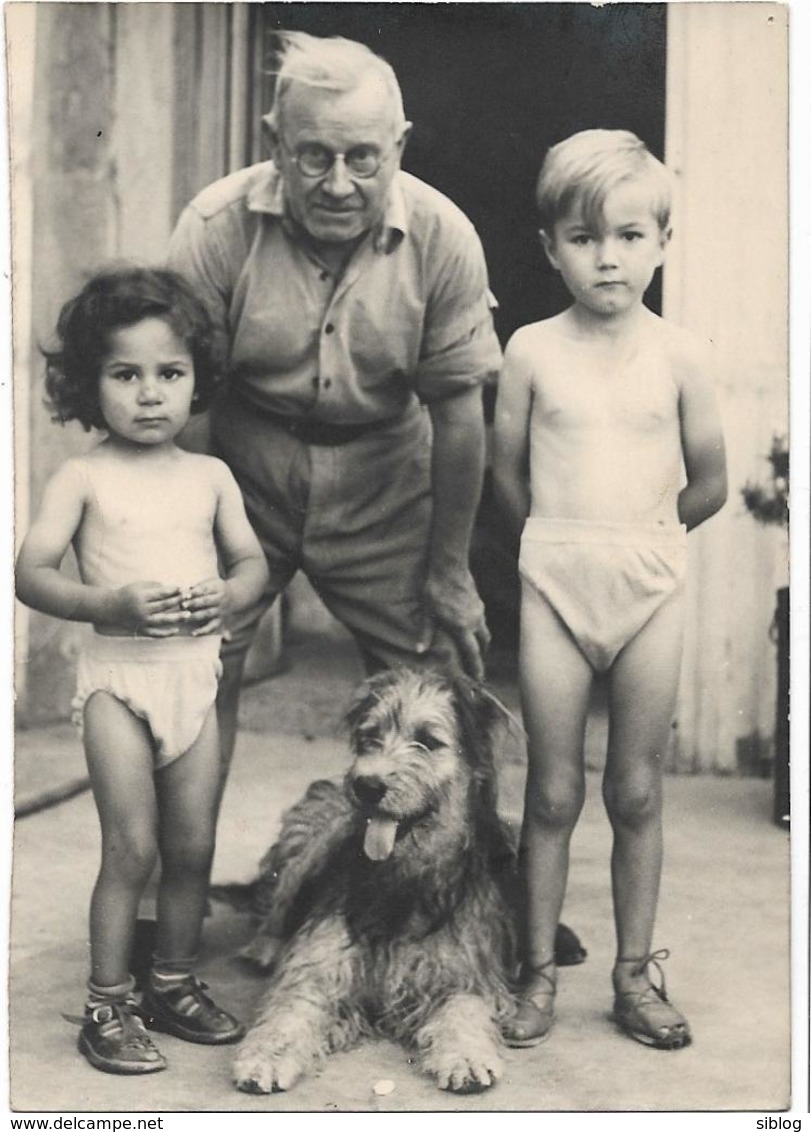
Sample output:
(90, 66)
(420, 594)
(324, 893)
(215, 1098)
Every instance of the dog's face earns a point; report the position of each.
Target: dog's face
(409, 747)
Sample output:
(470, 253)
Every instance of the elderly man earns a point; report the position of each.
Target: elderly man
(353, 304)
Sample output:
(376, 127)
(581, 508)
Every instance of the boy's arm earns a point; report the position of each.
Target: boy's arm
(702, 442)
(511, 440)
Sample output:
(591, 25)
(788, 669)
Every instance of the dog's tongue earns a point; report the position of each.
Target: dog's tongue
(379, 840)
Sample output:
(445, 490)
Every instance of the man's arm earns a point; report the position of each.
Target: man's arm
(457, 471)
(702, 443)
(193, 252)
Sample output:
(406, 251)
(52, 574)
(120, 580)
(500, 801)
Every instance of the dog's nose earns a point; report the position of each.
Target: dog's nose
(369, 789)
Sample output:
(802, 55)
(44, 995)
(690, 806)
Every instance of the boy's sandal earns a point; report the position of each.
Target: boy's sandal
(534, 1014)
(114, 1040)
(648, 1016)
(188, 1013)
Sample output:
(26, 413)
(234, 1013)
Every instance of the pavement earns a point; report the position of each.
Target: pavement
(724, 914)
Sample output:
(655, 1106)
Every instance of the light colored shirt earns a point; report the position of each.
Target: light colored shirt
(411, 314)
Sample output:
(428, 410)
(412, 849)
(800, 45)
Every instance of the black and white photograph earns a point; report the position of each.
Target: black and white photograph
(401, 591)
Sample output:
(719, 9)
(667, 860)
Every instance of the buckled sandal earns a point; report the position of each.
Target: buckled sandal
(534, 1015)
(114, 1040)
(186, 1012)
(648, 1016)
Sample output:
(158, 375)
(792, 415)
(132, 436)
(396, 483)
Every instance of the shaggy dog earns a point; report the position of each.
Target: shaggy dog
(387, 903)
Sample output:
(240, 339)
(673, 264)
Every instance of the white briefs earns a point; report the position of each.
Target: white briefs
(603, 580)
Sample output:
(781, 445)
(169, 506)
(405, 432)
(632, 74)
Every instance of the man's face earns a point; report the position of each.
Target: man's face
(337, 206)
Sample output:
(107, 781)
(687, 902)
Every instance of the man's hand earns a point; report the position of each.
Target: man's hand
(148, 609)
(208, 604)
(453, 603)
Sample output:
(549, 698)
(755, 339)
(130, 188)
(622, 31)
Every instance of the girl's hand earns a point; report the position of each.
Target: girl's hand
(149, 609)
(208, 605)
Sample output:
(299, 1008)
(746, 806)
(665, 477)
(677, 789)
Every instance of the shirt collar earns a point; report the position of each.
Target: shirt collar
(267, 195)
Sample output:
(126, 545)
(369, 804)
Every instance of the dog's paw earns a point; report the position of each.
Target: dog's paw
(263, 951)
(256, 1072)
(471, 1074)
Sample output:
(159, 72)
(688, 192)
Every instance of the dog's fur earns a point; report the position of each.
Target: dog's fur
(386, 905)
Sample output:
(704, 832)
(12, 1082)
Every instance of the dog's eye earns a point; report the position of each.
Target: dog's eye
(427, 740)
(369, 741)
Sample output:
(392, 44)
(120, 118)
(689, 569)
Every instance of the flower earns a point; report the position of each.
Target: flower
(769, 503)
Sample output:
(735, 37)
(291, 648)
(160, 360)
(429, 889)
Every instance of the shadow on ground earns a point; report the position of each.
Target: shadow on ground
(724, 914)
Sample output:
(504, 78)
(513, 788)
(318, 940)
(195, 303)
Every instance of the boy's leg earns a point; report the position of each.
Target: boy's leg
(642, 693)
(555, 688)
(118, 748)
(643, 683)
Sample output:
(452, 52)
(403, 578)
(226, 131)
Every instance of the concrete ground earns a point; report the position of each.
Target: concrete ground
(724, 915)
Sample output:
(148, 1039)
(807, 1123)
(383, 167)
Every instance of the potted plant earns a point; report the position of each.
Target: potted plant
(769, 504)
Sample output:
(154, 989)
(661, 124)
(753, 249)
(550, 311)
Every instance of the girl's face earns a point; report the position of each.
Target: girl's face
(146, 383)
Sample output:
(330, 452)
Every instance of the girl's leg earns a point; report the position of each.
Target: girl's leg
(555, 687)
(118, 748)
(188, 792)
(642, 693)
(188, 799)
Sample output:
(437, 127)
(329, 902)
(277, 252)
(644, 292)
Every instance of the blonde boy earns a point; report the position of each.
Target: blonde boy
(608, 449)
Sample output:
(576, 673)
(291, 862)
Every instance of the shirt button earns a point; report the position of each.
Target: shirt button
(327, 383)
(315, 382)
(324, 276)
(328, 329)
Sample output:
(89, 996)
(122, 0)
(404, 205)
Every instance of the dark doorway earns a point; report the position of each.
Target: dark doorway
(489, 87)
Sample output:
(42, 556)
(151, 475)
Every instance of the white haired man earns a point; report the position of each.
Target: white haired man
(354, 308)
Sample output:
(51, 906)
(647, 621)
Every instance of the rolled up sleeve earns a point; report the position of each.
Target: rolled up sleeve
(460, 348)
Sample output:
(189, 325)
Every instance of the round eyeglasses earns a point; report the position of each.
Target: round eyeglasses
(314, 160)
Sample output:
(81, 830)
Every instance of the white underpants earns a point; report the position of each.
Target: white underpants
(169, 682)
(603, 580)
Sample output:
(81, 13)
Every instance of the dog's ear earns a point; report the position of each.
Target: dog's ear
(478, 708)
(366, 696)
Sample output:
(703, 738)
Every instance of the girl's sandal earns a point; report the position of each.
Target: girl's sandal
(648, 1016)
(535, 1010)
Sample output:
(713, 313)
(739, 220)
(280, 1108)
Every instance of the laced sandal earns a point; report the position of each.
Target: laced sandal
(187, 1012)
(534, 1015)
(648, 1016)
(114, 1040)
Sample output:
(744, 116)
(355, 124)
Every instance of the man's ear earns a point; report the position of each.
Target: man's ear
(548, 245)
(270, 136)
(404, 136)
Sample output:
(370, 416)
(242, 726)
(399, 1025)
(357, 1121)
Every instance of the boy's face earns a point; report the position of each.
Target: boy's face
(146, 383)
(608, 268)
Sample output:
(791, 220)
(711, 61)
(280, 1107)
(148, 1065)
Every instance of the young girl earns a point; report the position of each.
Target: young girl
(149, 524)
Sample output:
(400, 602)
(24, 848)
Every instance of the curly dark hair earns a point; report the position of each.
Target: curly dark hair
(112, 299)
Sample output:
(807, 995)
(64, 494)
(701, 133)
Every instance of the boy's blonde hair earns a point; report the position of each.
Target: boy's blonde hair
(333, 64)
(583, 169)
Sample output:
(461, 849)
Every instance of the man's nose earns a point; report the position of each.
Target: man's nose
(338, 181)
